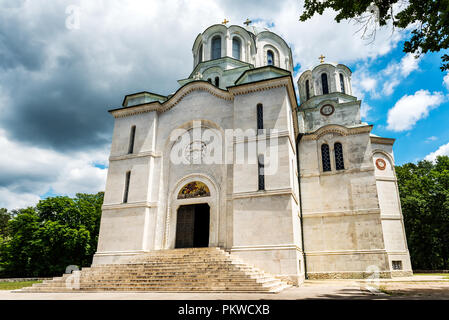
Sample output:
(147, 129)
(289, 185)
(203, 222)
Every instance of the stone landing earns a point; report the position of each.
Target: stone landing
(178, 270)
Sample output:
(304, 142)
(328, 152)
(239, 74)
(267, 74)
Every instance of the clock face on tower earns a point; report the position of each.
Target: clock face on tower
(327, 110)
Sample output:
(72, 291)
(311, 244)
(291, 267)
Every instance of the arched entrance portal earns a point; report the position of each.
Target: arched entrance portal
(192, 213)
(192, 226)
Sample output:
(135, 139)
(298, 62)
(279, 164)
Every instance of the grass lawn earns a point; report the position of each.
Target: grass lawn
(16, 285)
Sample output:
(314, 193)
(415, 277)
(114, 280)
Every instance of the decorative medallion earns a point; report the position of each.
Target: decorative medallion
(195, 152)
(381, 164)
(194, 189)
(327, 110)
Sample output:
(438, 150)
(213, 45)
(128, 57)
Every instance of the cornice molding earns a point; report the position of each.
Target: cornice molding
(380, 140)
(140, 204)
(334, 128)
(136, 155)
(195, 86)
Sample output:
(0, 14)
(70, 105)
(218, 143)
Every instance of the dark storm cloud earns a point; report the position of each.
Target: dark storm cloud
(60, 82)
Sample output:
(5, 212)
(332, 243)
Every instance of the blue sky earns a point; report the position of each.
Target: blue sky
(64, 63)
(429, 132)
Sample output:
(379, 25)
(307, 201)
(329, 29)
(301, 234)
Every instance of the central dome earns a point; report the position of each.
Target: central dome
(232, 50)
(250, 44)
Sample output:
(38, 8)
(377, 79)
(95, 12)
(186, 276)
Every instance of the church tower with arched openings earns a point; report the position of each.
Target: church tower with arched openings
(232, 160)
(351, 211)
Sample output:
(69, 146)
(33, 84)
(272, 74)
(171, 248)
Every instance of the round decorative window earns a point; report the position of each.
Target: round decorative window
(327, 110)
(381, 164)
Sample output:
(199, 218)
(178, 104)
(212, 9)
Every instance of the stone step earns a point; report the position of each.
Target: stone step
(168, 263)
(162, 289)
(166, 285)
(173, 270)
(173, 276)
(183, 270)
(166, 281)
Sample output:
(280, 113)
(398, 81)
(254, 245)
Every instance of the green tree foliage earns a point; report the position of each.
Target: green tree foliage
(424, 192)
(427, 19)
(4, 218)
(58, 232)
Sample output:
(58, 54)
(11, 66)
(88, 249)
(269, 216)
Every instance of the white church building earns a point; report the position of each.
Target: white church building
(300, 189)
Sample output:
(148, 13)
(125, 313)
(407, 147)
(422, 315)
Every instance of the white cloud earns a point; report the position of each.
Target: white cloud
(389, 78)
(27, 172)
(432, 138)
(409, 109)
(442, 151)
(395, 72)
(339, 42)
(446, 81)
(408, 64)
(364, 109)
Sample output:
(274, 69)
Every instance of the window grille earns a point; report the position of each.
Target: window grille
(325, 158)
(339, 163)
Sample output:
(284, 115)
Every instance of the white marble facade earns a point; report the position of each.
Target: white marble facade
(327, 223)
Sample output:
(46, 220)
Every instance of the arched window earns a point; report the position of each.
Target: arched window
(217, 81)
(216, 47)
(324, 83)
(339, 163)
(342, 83)
(236, 48)
(125, 193)
(270, 58)
(200, 54)
(307, 90)
(325, 157)
(132, 136)
(259, 117)
(209, 80)
(261, 173)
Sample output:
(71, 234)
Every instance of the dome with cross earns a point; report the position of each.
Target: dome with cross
(222, 52)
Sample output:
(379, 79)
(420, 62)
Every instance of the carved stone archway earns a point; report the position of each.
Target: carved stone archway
(174, 202)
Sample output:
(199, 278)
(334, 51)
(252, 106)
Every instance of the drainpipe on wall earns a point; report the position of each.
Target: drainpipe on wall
(298, 139)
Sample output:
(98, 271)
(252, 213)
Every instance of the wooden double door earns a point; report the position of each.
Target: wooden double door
(192, 226)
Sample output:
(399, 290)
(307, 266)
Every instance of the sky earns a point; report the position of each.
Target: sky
(63, 64)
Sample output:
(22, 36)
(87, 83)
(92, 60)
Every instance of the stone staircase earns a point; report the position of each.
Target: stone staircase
(178, 270)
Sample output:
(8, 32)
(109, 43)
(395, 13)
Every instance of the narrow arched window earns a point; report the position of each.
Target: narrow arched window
(324, 83)
(259, 117)
(342, 83)
(307, 90)
(132, 136)
(325, 157)
(125, 193)
(236, 48)
(339, 163)
(209, 80)
(200, 54)
(270, 58)
(216, 47)
(261, 173)
(217, 81)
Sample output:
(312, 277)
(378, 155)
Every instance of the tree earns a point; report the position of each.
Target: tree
(4, 218)
(424, 193)
(428, 20)
(58, 232)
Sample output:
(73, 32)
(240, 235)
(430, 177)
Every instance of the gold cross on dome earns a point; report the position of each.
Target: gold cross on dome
(321, 58)
(225, 21)
(247, 22)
